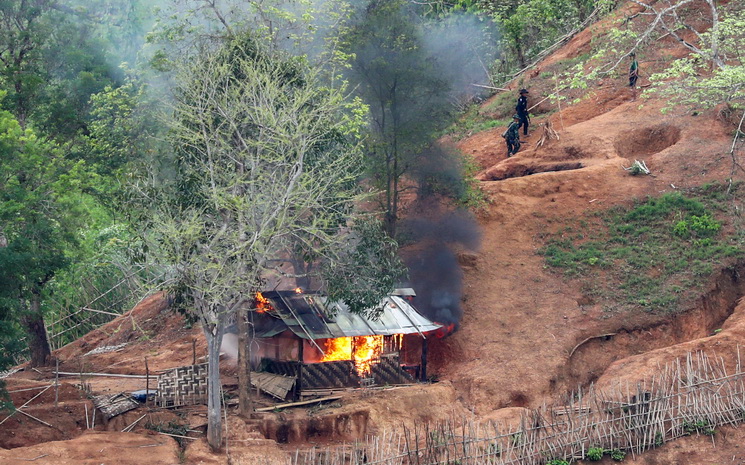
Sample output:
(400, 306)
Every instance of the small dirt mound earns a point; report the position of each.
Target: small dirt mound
(519, 170)
(647, 141)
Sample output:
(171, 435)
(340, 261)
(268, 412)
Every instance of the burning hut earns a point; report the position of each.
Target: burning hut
(322, 345)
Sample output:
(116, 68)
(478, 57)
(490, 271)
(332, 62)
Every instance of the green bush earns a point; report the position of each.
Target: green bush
(617, 455)
(705, 225)
(557, 462)
(595, 453)
(700, 427)
(652, 256)
(681, 229)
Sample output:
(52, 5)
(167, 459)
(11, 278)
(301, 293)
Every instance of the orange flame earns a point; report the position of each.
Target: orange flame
(339, 348)
(446, 330)
(298, 290)
(362, 350)
(261, 303)
(366, 350)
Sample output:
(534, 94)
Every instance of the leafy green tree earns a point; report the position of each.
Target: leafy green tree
(266, 158)
(714, 71)
(530, 26)
(55, 53)
(367, 266)
(22, 27)
(39, 213)
(301, 29)
(711, 74)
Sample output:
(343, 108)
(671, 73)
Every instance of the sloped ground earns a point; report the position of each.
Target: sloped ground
(521, 320)
(528, 335)
(96, 448)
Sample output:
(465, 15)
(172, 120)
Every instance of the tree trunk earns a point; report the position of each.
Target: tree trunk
(38, 341)
(245, 402)
(214, 419)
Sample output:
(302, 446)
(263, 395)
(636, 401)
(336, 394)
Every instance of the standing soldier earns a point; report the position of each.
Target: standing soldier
(522, 110)
(512, 136)
(633, 74)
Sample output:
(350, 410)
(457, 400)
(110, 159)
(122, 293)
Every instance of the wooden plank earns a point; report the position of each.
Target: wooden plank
(105, 375)
(298, 404)
(273, 384)
(113, 405)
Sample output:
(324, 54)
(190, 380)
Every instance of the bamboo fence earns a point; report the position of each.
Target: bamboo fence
(693, 395)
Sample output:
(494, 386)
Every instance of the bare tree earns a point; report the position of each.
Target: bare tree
(266, 161)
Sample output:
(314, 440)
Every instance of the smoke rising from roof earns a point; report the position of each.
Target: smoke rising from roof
(434, 273)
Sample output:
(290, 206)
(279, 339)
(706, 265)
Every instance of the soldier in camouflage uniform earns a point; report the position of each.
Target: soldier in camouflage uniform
(512, 136)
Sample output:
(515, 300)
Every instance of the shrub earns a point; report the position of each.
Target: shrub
(700, 427)
(595, 453)
(705, 225)
(557, 462)
(681, 229)
(617, 455)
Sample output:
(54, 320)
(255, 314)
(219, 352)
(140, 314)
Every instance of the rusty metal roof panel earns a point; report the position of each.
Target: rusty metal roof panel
(311, 316)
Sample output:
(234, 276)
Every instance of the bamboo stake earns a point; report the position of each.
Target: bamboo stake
(105, 375)
(131, 426)
(56, 382)
(34, 418)
(558, 100)
(147, 383)
(33, 459)
(490, 87)
(29, 389)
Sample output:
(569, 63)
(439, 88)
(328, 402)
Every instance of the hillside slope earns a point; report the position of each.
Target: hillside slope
(528, 335)
(522, 320)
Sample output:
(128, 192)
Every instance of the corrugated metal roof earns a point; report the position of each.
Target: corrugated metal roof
(311, 316)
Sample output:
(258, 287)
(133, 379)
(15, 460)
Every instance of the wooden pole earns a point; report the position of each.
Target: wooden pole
(193, 351)
(105, 375)
(423, 371)
(56, 383)
(34, 418)
(299, 372)
(490, 87)
(147, 383)
(245, 400)
(27, 402)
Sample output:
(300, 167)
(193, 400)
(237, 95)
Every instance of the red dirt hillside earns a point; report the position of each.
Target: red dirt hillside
(528, 335)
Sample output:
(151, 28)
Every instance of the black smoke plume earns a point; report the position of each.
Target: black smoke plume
(438, 234)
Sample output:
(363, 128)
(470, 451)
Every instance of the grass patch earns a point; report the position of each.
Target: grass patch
(652, 256)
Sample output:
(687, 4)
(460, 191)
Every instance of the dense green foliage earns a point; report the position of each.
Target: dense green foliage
(367, 267)
(694, 82)
(529, 27)
(655, 256)
(595, 453)
(39, 210)
(53, 57)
